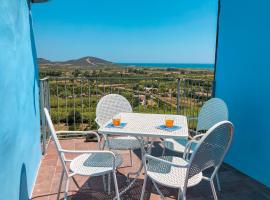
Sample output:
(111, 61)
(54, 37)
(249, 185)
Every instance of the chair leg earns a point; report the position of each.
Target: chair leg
(130, 157)
(144, 186)
(150, 148)
(218, 182)
(109, 183)
(184, 197)
(76, 183)
(163, 151)
(60, 185)
(181, 195)
(104, 145)
(104, 182)
(116, 186)
(109, 180)
(162, 142)
(213, 189)
(158, 190)
(66, 189)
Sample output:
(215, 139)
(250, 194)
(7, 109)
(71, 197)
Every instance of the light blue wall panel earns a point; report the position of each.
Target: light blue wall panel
(243, 81)
(19, 102)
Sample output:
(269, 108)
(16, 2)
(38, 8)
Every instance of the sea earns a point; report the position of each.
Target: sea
(170, 65)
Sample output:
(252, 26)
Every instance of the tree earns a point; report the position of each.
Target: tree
(76, 72)
(86, 74)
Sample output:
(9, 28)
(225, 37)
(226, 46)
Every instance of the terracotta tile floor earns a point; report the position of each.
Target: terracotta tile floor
(235, 185)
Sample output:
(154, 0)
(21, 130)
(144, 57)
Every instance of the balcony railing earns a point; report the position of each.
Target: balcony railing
(72, 101)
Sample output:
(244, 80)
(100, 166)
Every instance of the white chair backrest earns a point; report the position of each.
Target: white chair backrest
(55, 138)
(212, 148)
(213, 111)
(109, 106)
(52, 130)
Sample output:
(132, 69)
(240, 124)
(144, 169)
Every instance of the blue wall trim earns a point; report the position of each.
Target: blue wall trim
(20, 151)
(242, 80)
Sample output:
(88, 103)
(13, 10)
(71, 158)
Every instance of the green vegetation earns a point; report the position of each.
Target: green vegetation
(73, 98)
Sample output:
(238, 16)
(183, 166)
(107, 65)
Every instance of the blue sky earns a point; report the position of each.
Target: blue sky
(161, 31)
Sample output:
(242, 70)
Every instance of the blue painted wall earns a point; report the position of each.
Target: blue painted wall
(19, 102)
(243, 81)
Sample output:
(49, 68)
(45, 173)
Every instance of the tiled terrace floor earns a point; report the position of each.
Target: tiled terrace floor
(235, 185)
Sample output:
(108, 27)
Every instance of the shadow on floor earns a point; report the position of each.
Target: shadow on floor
(235, 185)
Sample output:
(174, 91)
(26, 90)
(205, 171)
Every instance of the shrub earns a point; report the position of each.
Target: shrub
(72, 120)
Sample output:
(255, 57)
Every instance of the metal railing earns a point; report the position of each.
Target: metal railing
(72, 101)
(44, 97)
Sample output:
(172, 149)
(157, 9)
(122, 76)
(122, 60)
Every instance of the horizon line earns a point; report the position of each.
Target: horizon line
(129, 62)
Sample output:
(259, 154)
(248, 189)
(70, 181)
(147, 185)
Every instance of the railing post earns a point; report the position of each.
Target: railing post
(48, 105)
(178, 95)
(44, 103)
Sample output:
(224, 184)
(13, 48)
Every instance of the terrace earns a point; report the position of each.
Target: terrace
(72, 103)
(235, 185)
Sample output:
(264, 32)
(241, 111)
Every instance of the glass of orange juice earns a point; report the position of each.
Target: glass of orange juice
(116, 120)
(169, 121)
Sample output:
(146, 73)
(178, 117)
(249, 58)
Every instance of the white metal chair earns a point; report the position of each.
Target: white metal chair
(175, 172)
(109, 106)
(213, 111)
(89, 163)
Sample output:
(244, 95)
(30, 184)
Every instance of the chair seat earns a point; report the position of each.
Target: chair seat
(170, 176)
(123, 143)
(94, 164)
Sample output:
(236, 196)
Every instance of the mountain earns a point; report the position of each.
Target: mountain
(42, 61)
(87, 61)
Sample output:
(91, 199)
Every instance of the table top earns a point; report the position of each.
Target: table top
(144, 125)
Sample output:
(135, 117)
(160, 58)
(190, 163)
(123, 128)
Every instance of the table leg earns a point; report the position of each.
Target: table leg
(138, 172)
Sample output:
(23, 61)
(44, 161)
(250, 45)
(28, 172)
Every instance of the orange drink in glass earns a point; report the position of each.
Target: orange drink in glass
(116, 121)
(169, 122)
